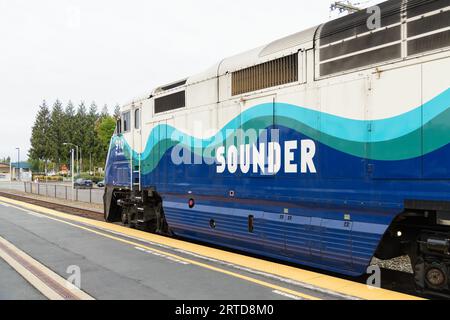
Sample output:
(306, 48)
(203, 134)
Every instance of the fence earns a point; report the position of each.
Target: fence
(65, 192)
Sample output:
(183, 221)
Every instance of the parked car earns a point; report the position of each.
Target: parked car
(101, 184)
(82, 184)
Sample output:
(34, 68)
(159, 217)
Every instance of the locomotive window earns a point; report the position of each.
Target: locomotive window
(170, 102)
(269, 74)
(118, 126)
(137, 119)
(126, 121)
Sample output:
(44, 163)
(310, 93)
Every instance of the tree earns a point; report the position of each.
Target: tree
(6, 160)
(69, 127)
(105, 112)
(90, 142)
(40, 142)
(104, 131)
(87, 129)
(117, 112)
(57, 135)
(80, 131)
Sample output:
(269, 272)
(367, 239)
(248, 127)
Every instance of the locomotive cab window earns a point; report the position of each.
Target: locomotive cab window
(119, 126)
(137, 119)
(126, 122)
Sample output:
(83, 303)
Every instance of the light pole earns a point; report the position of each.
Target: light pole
(72, 156)
(18, 163)
(78, 160)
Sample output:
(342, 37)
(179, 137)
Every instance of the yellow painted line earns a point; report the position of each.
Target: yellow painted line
(322, 281)
(50, 284)
(135, 244)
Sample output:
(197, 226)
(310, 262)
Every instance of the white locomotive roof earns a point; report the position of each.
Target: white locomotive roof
(303, 39)
(136, 100)
(205, 75)
(281, 47)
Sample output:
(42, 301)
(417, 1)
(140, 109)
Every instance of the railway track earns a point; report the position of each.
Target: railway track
(55, 206)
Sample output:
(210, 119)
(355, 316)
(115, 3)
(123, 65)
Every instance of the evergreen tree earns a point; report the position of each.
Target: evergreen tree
(69, 127)
(40, 142)
(80, 131)
(57, 135)
(91, 142)
(6, 160)
(105, 112)
(117, 112)
(87, 129)
(93, 110)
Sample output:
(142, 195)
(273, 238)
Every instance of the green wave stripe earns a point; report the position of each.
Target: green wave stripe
(401, 147)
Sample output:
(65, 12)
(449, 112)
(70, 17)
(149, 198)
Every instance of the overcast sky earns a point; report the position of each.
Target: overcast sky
(111, 51)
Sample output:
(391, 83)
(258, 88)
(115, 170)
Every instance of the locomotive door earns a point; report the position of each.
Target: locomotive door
(136, 145)
(436, 96)
(257, 121)
(394, 112)
(343, 130)
(156, 168)
(123, 163)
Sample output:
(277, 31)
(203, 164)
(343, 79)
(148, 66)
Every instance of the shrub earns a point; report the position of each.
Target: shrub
(42, 178)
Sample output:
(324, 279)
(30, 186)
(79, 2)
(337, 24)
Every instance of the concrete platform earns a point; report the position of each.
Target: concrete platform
(114, 270)
(122, 263)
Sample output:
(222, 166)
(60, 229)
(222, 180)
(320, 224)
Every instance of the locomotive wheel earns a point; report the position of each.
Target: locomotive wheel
(435, 277)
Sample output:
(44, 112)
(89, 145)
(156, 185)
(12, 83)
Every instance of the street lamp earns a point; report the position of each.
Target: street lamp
(78, 159)
(72, 173)
(18, 163)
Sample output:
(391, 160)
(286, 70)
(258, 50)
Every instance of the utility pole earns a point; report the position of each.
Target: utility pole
(78, 159)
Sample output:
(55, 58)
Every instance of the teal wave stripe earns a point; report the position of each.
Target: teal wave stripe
(396, 138)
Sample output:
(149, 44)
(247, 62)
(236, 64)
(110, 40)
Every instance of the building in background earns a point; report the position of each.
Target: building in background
(4, 172)
(21, 171)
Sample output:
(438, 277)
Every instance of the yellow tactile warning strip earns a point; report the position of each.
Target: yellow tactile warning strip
(313, 279)
(43, 279)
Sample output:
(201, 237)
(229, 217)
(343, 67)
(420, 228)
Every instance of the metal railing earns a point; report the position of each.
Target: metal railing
(65, 192)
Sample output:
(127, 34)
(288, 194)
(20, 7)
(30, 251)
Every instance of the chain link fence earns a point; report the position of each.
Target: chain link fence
(65, 192)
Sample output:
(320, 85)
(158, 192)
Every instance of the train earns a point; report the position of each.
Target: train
(326, 148)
